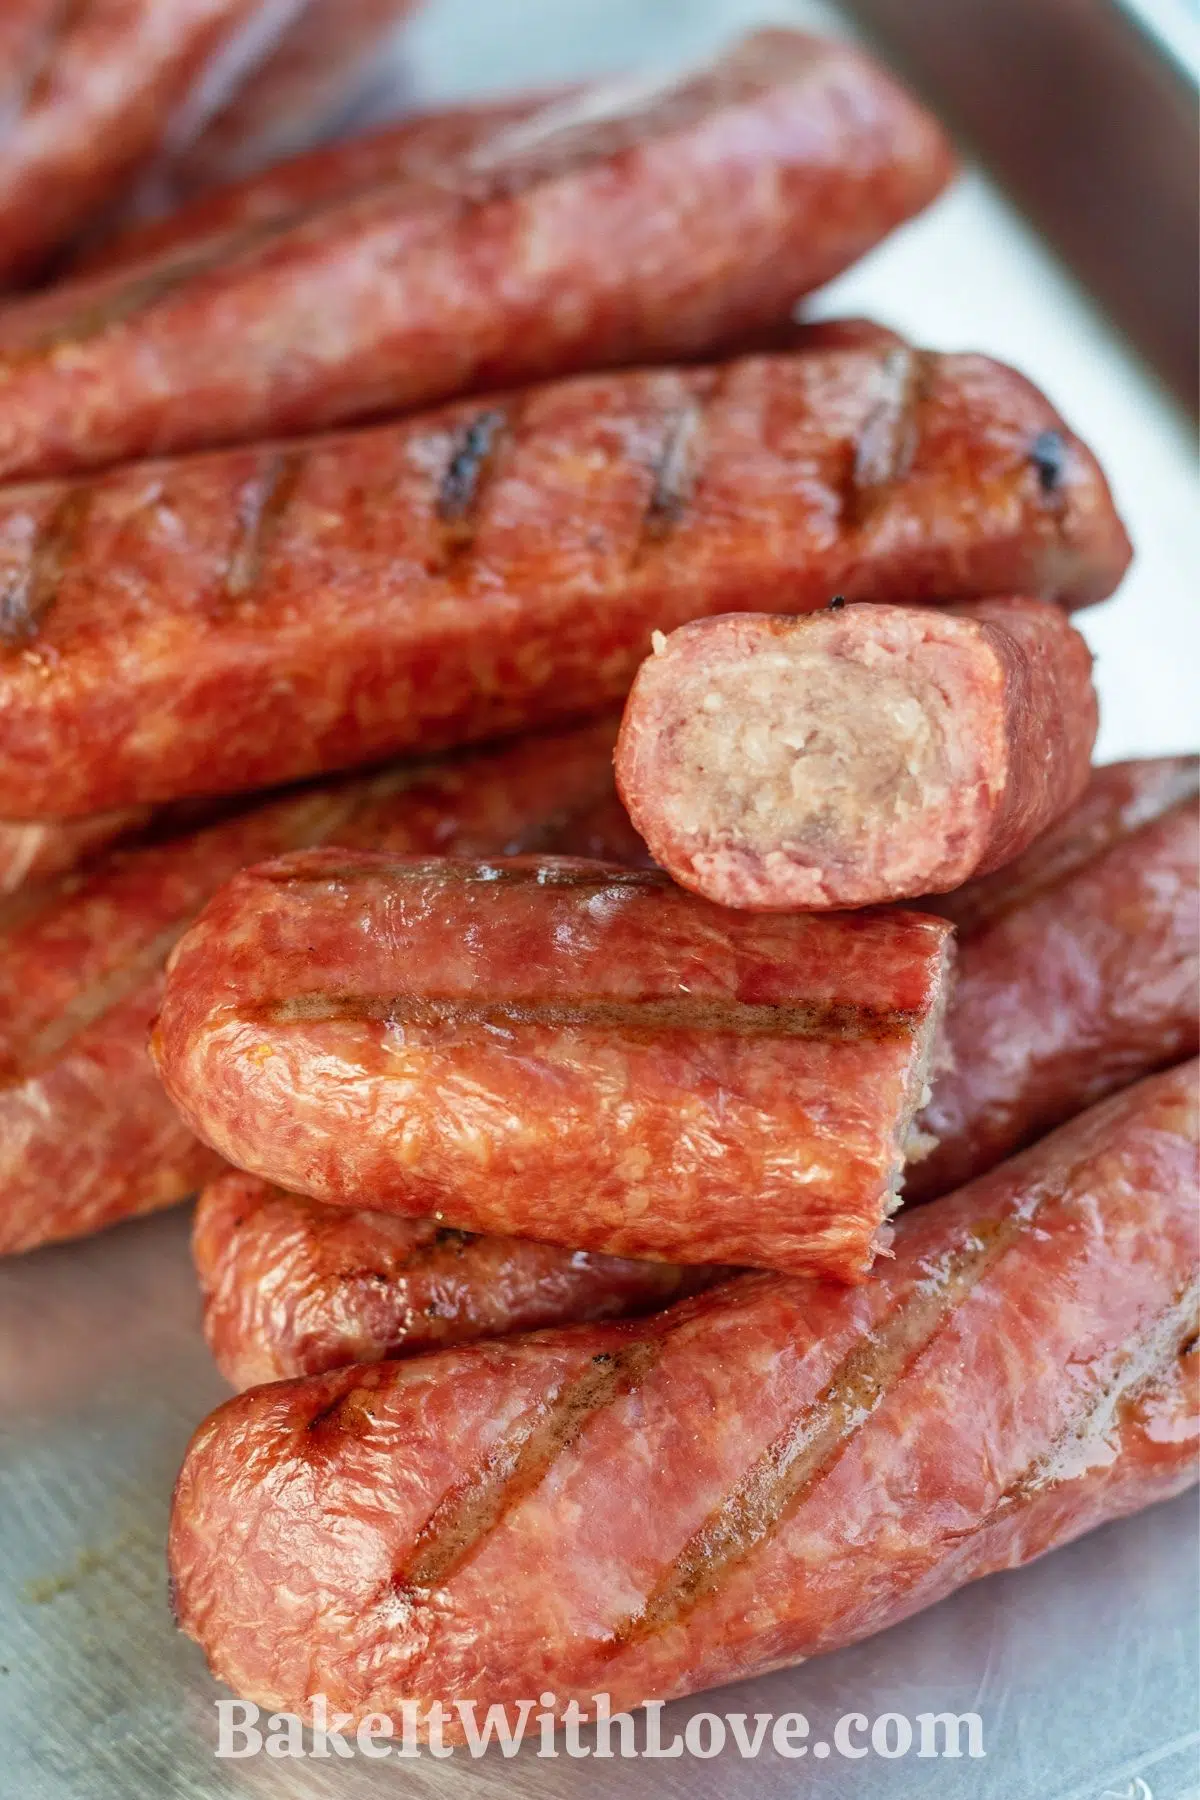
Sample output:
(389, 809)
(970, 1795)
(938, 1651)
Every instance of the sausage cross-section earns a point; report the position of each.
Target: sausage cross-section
(773, 1469)
(858, 755)
(251, 617)
(559, 1049)
(614, 228)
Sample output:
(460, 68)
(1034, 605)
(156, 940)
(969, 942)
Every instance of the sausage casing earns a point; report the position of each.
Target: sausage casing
(87, 1136)
(558, 1049)
(1077, 972)
(592, 236)
(291, 1287)
(770, 1470)
(858, 755)
(234, 621)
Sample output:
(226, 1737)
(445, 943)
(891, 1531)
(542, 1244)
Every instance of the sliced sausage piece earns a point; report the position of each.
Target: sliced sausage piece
(559, 1049)
(87, 1136)
(89, 92)
(235, 621)
(773, 1469)
(619, 227)
(292, 1287)
(859, 755)
(1076, 979)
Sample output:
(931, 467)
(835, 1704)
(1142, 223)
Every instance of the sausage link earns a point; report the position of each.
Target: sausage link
(608, 230)
(771, 1470)
(234, 217)
(856, 756)
(235, 621)
(558, 1049)
(1075, 976)
(87, 1136)
(89, 92)
(292, 1287)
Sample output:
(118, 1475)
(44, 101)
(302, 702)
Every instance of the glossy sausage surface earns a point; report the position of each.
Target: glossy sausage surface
(291, 1287)
(1078, 971)
(233, 621)
(615, 228)
(774, 1469)
(858, 755)
(558, 1049)
(87, 1136)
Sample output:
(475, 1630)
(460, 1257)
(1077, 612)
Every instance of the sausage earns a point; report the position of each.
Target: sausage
(233, 217)
(87, 1136)
(860, 755)
(771, 1470)
(560, 1049)
(31, 850)
(90, 92)
(618, 228)
(318, 66)
(292, 1287)
(1073, 981)
(239, 620)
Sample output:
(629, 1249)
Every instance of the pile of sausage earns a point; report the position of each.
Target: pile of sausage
(553, 1074)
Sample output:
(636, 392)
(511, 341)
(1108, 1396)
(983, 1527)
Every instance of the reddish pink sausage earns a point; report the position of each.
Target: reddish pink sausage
(244, 619)
(606, 231)
(89, 93)
(558, 1049)
(1076, 975)
(772, 1470)
(858, 755)
(292, 1287)
(87, 1135)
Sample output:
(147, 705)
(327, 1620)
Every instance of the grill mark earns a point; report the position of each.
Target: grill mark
(891, 433)
(816, 1020)
(262, 503)
(28, 596)
(473, 460)
(472, 1509)
(449, 872)
(674, 470)
(807, 1450)
(1048, 454)
(1136, 1369)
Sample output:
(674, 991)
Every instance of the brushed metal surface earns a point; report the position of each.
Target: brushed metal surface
(1083, 1667)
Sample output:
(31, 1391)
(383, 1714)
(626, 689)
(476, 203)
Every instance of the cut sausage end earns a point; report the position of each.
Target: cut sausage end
(837, 760)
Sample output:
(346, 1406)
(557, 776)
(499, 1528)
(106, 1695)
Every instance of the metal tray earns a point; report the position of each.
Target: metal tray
(1082, 1668)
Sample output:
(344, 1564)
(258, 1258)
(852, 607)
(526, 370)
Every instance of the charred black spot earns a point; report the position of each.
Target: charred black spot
(173, 1599)
(459, 487)
(1048, 454)
(605, 1356)
(837, 603)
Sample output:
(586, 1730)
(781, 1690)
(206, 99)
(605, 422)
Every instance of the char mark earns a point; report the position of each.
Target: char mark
(804, 1453)
(31, 591)
(1048, 454)
(460, 490)
(472, 1509)
(261, 507)
(673, 470)
(891, 433)
(820, 1021)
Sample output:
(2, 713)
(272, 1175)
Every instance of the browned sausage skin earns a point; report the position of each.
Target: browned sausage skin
(87, 1136)
(247, 618)
(639, 1509)
(856, 756)
(291, 1287)
(619, 227)
(88, 94)
(558, 1049)
(1078, 971)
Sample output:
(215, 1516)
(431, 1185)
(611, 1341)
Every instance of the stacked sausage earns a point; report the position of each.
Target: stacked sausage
(480, 1066)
